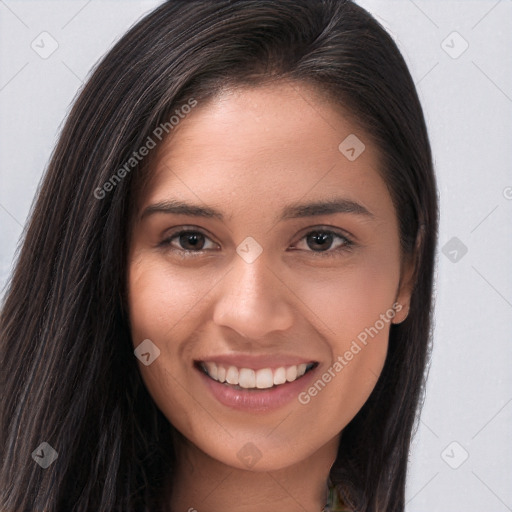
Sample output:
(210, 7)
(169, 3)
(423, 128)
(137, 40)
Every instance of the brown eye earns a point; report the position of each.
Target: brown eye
(319, 240)
(190, 240)
(324, 241)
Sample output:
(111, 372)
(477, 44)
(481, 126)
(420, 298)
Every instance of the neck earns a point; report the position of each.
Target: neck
(202, 483)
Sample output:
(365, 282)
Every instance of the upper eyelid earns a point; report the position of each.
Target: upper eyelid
(172, 232)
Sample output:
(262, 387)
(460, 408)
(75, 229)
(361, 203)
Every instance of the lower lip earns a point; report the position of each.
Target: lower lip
(259, 400)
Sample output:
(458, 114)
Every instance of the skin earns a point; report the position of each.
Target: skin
(249, 153)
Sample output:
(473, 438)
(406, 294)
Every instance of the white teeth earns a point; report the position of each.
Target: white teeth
(212, 370)
(279, 376)
(232, 375)
(221, 374)
(264, 378)
(246, 378)
(254, 379)
(291, 373)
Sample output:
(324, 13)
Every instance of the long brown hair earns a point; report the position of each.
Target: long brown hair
(69, 374)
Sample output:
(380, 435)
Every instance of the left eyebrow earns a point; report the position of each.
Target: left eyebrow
(337, 205)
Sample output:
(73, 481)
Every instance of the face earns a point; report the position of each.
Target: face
(264, 274)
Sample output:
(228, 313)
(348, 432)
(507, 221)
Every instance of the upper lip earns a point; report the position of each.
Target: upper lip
(256, 362)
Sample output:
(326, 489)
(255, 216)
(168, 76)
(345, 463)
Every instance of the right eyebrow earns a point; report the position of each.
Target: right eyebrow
(180, 208)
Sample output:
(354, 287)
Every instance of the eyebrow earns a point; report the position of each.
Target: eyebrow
(180, 208)
(294, 211)
(337, 205)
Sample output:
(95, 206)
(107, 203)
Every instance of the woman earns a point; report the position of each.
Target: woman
(223, 298)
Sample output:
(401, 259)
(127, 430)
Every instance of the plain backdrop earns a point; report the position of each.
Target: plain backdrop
(459, 53)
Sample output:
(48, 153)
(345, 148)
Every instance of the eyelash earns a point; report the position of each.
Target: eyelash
(187, 253)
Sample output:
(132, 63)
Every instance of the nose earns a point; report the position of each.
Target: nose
(253, 301)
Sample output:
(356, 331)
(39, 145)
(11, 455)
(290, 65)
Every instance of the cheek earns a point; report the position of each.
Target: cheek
(162, 307)
(355, 304)
(353, 300)
(354, 308)
(162, 302)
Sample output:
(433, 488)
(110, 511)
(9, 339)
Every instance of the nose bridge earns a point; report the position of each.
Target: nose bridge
(252, 276)
(252, 301)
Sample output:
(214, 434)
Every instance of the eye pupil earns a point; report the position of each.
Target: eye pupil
(192, 241)
(322, 240)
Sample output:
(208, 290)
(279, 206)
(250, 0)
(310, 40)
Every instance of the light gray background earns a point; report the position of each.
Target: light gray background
(468, 106)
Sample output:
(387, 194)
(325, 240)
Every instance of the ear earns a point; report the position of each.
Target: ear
(407, 281)
(402, 302)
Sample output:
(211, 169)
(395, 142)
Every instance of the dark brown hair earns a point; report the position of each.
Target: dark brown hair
(69, 376)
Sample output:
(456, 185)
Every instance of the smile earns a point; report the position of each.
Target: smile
(250, 379)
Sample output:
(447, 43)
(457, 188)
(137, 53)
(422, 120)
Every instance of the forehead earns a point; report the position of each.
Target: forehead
(276, 142)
